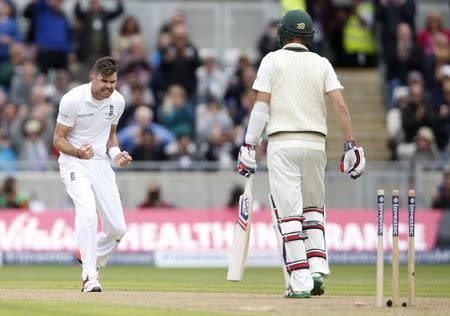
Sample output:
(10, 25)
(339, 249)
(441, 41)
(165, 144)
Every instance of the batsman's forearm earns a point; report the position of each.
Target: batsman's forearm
(64, 146)
(345, 122)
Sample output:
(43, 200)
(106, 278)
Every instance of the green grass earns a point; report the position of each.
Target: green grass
(350, 280)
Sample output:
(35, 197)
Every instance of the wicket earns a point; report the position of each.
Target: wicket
(395, 251)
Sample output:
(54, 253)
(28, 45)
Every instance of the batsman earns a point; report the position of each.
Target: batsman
(292, 84)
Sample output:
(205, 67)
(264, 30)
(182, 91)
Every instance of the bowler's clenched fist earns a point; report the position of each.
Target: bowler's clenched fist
(123, 159)
(86, 151)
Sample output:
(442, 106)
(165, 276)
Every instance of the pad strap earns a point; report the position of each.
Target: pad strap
(294, 236)
(307, 225)
(315, 253)
(313, 209)
(297, 265)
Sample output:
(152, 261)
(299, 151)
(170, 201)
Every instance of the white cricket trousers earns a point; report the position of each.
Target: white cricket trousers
(296, 176)
(86, 181)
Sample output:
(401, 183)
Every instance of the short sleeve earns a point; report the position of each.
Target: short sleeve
(120, 109)
(331, 80)
(264, 77)
(66, 113)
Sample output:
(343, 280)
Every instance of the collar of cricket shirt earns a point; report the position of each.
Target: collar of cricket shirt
(296, 47)
(90, 98)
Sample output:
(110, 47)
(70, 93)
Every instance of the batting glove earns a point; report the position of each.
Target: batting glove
(353, 161)
(246, 160)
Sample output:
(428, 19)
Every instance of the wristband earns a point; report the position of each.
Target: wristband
(113, 152)
(350, 144)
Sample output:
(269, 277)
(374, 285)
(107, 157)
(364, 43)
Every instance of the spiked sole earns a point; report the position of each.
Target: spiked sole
(319, 286)
(290, 294)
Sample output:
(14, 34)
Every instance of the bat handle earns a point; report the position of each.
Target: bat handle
(249, 184)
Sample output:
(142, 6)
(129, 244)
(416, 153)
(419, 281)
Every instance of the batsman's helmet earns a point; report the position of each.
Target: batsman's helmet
(296, 23)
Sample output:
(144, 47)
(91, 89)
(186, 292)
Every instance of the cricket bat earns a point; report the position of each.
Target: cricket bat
(241, 234)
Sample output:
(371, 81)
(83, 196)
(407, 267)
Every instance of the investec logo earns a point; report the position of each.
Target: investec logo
(244, 208)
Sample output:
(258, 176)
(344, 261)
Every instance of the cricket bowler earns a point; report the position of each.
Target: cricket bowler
(85, 136)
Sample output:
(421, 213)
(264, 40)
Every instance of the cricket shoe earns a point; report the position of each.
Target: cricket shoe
(302, 294)
(319, 284)
(91, 285)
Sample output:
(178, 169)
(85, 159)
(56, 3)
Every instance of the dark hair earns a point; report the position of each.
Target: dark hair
(125, 22)
(105, 66)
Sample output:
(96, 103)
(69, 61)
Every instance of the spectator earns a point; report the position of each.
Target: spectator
(94, 31)
(417, 112)
(389, 14)
(238, 86)
(23, 82)
(176, 113)
(136, 100)
(10, 197)
(183, 152)
(212, 81)
(129, 35)
(209, 117)
(34, 151)
(154, 199)
(324, 15)
(8, 158)
(358, 36)
(441, 195)
(394, 120)
(423, 150)
(441, 124)
(52, 34)
(11, 66)
(401, 57)
(143, 119)
(147, 148)
(9, 31)
(180, 62)
(268, 41)
(433, 26)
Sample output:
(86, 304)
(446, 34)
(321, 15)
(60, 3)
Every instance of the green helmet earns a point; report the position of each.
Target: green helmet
(296, 23)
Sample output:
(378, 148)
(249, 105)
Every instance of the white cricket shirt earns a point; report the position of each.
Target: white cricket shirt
(298, 82)
(90, 119)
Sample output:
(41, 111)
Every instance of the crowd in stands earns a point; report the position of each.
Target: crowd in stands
(184, 107)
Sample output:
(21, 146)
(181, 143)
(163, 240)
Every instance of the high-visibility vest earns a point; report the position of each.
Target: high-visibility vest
(287, 5)
(356, 37)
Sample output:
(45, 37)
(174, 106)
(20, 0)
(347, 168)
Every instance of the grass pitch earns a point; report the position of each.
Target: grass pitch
(142, 290)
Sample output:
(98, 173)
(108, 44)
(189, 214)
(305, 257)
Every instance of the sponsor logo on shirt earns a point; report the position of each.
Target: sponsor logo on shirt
(85, 115)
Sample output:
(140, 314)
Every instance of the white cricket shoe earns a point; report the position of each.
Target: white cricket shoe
(91, 285)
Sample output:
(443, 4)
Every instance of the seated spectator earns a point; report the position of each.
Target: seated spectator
(8, 157)
(423, 150)
(441, 195)
(143, 119)
(154, 199)
(10, 197)
(129, 35)
(183, 152)
(34, 151)
(209, 116)
(212, 81)
(394, 120)
(136, 99)
(219, 148)
(147, 148)
(417, 112)
(433, 25)
(23, 82)
(441, 123)
(9, 67)
(134, 92)
(176, 113)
